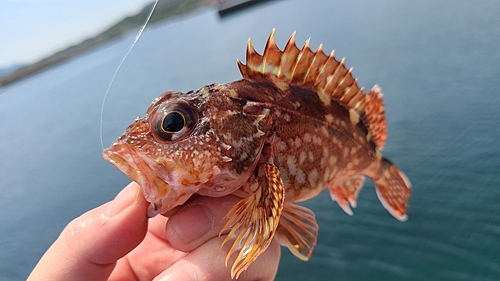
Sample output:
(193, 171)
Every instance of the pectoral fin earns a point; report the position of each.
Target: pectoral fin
(345, 192)
(298, 230)
(253, 220)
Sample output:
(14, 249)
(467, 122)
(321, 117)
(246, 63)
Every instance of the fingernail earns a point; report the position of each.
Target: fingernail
(124, 199)
(191, 223)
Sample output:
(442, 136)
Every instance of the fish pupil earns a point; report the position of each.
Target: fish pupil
(173, 122)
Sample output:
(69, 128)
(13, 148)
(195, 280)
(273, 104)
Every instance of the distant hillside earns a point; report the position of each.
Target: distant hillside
(9, 69)
(166, 9)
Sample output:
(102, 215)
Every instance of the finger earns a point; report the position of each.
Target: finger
(90, 245)
(207, 263)
(198, 221)
(151, 257)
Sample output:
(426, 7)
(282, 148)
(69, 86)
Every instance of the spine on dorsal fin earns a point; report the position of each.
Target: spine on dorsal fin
(329, 78)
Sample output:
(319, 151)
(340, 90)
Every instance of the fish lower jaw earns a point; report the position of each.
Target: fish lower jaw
(165, 190)
(122, 161)
(153, 187)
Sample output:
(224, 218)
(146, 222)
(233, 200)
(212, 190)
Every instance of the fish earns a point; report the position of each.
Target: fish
(295, 124)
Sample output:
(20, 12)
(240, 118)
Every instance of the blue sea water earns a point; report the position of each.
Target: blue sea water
(438, 63)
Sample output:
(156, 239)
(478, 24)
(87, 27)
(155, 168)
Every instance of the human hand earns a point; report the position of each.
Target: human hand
(115, 241)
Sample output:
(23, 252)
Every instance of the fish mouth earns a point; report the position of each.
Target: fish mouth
(154, 187)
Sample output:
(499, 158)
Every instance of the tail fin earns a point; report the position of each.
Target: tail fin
(393, 189)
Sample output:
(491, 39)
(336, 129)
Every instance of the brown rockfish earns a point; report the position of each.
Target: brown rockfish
(295, 124)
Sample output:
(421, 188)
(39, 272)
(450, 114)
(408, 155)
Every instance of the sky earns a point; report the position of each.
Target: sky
(33, 29)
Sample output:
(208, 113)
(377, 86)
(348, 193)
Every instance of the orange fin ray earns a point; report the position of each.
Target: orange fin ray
(329, 78)
(302, 65)
(345, 192)
(253, 221)
(393, 190)
(298, 230)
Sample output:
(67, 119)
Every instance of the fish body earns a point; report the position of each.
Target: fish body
(296, 123)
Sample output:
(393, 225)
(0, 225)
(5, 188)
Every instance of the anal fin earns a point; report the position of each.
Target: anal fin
(253, 220)
(345, 191)
(298, 230)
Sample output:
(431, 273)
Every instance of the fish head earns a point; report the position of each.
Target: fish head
(173, 151)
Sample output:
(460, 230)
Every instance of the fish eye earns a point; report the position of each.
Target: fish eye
(173, 122)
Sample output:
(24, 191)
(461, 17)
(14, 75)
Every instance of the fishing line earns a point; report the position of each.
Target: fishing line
(120, 65)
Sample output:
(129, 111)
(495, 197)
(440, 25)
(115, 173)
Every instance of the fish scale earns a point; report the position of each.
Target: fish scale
(296, 123)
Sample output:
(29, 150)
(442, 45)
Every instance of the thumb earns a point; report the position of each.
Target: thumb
(90, 245)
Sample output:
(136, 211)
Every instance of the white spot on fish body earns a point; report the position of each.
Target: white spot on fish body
(284, 177)
(280, 158)
(243, 156)
(349, 166)
(324, 157)
(237, 143)
(302, 157)
(216, 170)
(281, 85)
(298, 142)
(232, 112)
(312, 177)
(317, 140)
(300, 177)
(233, 93)
(332, 160)
(311, 156)
(326, 175)
(307, 137)
(196, 162)
(271, 160)
(281, 145)
(287, 117)
(368, 136)
(353, 116)
(290, 161)
(324, 98)
(296, 105)
(325, 152)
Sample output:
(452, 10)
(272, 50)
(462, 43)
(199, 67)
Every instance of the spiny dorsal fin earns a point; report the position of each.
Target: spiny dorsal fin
(321, 73)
